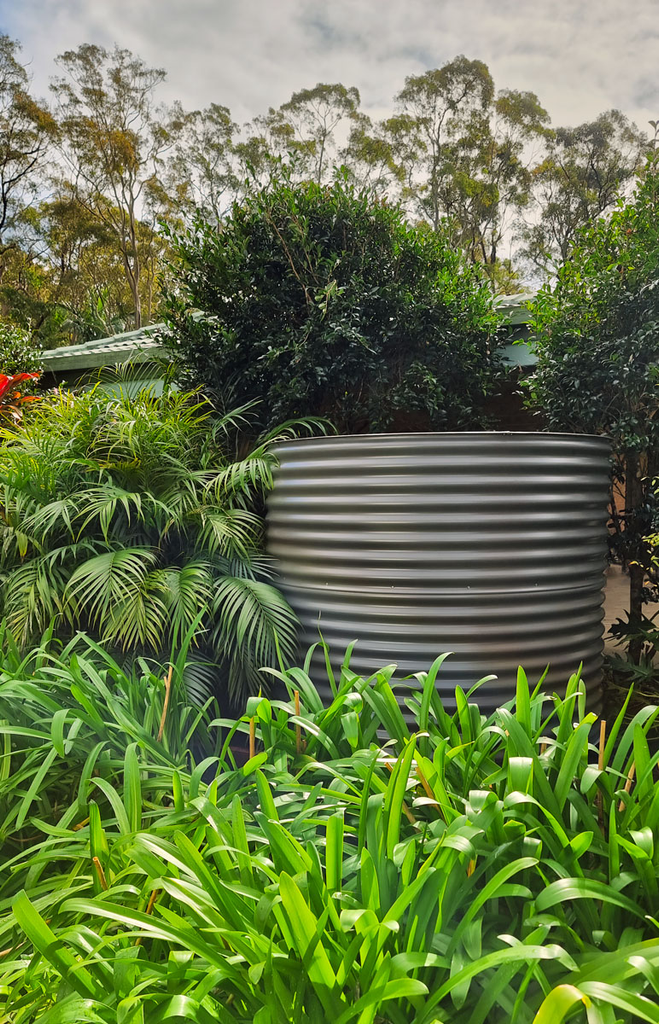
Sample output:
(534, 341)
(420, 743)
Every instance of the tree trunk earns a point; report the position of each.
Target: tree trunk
(135, 289)
(633, 500)
(135, 265)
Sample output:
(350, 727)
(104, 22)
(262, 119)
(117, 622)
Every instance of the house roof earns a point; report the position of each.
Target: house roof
(141, 345)
(137, 346)
(516, 306)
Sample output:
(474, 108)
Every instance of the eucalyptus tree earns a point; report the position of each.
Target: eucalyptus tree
(70, 285)
(582, 174)
(27, 130)
(435, 110)
(202, 171)
(374, 157)
(309, 125)
(114, 140)
(466, 152)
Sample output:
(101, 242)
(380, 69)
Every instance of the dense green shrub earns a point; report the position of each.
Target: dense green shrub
(322, 300)
(598, 361)
(128, 516)
(467, 870)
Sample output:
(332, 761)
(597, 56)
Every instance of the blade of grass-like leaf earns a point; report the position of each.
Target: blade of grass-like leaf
(559, 1003)
(182, 1007)
(428, 681)
(568, 889)
(52, 949)
(265, 796)
(304, 929)
(614, 995)
(395, 797)
(334, 851)
(35, 786)
(489, 891)
(523, 701)
(147, 925)
(133, 788)
(520, 953)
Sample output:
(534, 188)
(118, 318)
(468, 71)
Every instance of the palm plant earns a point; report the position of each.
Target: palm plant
(127, 515)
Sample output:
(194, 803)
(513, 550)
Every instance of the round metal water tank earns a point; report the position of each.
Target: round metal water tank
(489, 545)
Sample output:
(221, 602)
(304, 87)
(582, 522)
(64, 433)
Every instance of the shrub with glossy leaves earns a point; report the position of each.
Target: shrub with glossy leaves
(596, 334)
(322, 300)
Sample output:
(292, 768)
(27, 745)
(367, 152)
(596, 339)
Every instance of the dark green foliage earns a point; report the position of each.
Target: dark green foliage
(596, 329)
(356, 870)
(320, 300)
(130, 516)
(598, 367)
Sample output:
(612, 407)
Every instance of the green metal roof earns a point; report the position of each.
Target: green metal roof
(137, 346)
(140, 345)
(516, 306)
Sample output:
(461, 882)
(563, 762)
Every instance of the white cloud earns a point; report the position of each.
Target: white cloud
(579, 57)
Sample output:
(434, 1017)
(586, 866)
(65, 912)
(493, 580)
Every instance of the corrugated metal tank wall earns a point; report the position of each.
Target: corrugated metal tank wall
(490, 545)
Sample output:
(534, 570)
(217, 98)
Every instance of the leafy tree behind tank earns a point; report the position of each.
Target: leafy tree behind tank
(319, 300)
(598, 367)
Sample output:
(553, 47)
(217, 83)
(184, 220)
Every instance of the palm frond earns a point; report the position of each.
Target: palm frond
(140, 618)
(229, 533)
(33, 596)
(250, 478)
(120, 511)
(255, 628)
(100, 504)
(291, 429)
(105, 589)
(187, 592)
(55, 517)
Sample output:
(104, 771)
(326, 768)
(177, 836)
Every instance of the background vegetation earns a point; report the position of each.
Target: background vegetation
(596, 336)
(87, 177)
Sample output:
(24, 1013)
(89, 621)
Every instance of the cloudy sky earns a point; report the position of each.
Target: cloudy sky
(579, 56)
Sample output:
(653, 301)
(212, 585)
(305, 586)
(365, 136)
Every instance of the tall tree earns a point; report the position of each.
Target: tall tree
(70, 284)
(464, 150)
(26, 131)
(584, 171)
(492, 179)
(435, 107)
(371, 157)
(201, 173)
(307, 124)
(114, 139)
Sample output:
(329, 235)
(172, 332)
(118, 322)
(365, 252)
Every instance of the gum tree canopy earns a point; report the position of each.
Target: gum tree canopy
(321, 300)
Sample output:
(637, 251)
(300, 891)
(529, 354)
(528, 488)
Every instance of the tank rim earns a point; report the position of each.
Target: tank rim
(604, 439)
